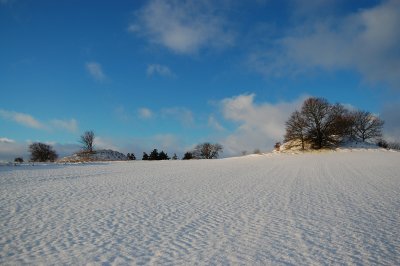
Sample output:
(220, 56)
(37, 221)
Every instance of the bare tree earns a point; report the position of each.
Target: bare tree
(315, 111)
(87, 141)
(319, 123)
(323, 122)
(207, 150)
(296, 128)
(41, 152)
(367, 126)
(345, 125)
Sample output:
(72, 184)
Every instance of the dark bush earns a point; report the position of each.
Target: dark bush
(41, 152)
(131, 156)
(18, 160)
(163, 156)
(188, 156)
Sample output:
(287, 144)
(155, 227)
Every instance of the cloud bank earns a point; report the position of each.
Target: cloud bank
(366, 41)
(11, 150)
(259, 126)
(391, 115)
(6, 140)
(28, 120)
(22, 119)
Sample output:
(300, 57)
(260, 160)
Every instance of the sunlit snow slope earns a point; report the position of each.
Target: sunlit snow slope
(307, 209)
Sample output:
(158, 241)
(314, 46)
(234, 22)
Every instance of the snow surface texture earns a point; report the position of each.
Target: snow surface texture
(280, 209)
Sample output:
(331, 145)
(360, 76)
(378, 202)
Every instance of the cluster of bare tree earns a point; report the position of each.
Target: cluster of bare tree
(321, 124)
(41, 152)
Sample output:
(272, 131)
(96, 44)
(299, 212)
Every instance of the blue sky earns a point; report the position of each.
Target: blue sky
(171, 74)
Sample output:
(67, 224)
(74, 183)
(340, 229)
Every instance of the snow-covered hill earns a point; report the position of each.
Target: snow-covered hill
(295, 147)
(99, 155)
(335, 208)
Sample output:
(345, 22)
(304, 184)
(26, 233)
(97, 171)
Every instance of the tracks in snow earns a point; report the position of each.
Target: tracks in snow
(334, 208)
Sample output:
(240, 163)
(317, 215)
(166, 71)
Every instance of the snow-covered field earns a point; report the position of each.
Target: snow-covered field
(307, 209)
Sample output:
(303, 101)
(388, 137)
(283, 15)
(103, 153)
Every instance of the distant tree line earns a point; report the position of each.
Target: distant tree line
(319, 124)
(204, 150)
(155, 156)
(131, 156)
(41, 152)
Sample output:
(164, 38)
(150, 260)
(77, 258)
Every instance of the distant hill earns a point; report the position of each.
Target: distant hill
(95, 156)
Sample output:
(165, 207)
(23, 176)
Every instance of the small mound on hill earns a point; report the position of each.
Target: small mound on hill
(295, 146)
(94, 156)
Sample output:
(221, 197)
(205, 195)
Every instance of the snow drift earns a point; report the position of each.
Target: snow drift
(279, 209)
(95, 156)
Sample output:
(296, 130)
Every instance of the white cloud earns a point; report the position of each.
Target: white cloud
(95, 70)
(213, 122)
(145, 113)
(66, 149)
(11, 150)
(391, 115)
(6, 140)
(29, 121)
(156, 69)
(70, 125)
(105, 143)
(21, 118)
(367, 41)
(167, 142)
(182, 114)
(259, 125)
(184, 27)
